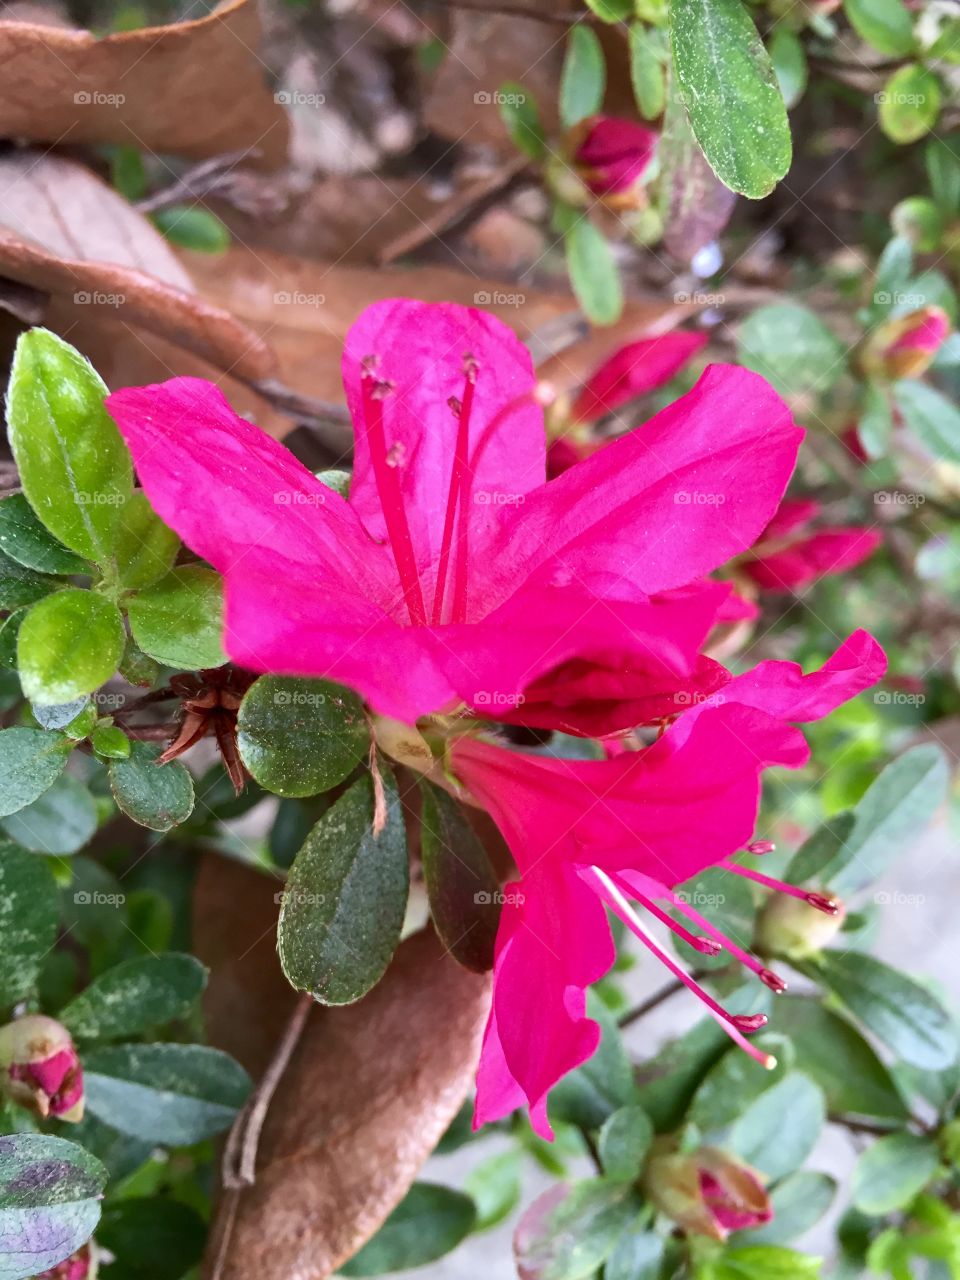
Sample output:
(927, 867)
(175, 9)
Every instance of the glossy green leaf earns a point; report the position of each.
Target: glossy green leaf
(647, 71)
(31, 760)
(611, 10)
(519, 113)
(885, 24)
(172, 1094)
(789, 64)
(799, 1202)
(763, 1262)
(345, 899)
(584, 76)
(875, 425)
(792, 348)
(134, 996)
(179, 620)
(638, 1255)
(932, 417)
(907, 1017)
(731, 94)
(427, 1223)
(50, 1193)
(777, 1131)
(462, 886)
(151, 1238)
(20, 586)
(29, 912)
(301, 737)
(145, 547)
(61, 821)
(69, 644)
(909, 103)
(495, 1186)
(920, 221)
(737, 1080)
(943, 171)
(156, 796)
(568, 1232)
(593, 272)
(821, 850)
(24, 539)
(623, 1143)
(892, 1171)
(74, 467)
(9, 631)
(192, 227)
(110, 743)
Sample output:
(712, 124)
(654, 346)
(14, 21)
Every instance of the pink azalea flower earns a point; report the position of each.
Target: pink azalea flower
(454, 574)
(614, 154)
(586, 835)
(787, 555)
(906, 346)
(633, 370)
(706, 1192)
(39, 1068)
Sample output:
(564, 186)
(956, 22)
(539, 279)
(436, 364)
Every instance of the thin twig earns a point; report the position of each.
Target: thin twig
(202, 180)
(564, 19)
(634, 1015)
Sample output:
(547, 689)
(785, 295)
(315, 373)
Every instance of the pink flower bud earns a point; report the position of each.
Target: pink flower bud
(613, 154)
(707, 1192)
(81, 1265)
(39, 1068)
(798, 928)
(905, 347)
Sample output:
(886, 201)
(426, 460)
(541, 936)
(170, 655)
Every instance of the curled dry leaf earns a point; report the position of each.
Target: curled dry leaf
(367, 1093)
(68, 86)
(65, 232)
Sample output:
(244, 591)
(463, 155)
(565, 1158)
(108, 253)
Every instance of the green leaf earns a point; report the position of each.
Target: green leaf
(346, 897)
(569, 1231)
(611, 10)
(24, 539)
(726, 902)
(192, 228)
(156, 796)
(889, 1174)
(9, 630)
(301, 737)
(779, 1129)
(919, 220)
(69, 644)
(603, 1084)
(179, 620)
(636, 1256)
(584, 76)
(593, 272)
(731, 94)
(647, 71)
(152, 1238)
(31, 760)
(135, 996)
(110, 743)
(427, 1223)
(519, 113)
(462, 886)
(836, 1056)
(764, 1262)
(792, 348)
(623, 1143)
(146, 548)
(904, 1015)
(495, 1187)
(943, 170)
(897, 807)
(172, 1094)
(789, 64)
(821, 850)
(61, 715)
(875, 426)
(20, 586)
(29, 913)
(933, 419)
(736, 1081)
(61, 821)
(50, 1194)
(885, 24)
(910, 103)
(74, 467)
(799, 1202)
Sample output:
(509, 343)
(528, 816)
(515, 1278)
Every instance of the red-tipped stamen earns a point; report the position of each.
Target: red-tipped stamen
(761, 846)
(819, 900)
(746, 959)
(611, 893)
(389, 491)
(706, 946)
(749, 1022)
(773, 981)
(456, 495)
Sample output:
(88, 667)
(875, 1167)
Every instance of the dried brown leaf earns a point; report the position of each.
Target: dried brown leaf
(369, 1089)
(191, 88)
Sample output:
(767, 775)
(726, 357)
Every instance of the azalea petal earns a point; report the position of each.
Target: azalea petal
(226, 487)
(634, 370)
(660, 506)
(830, 551)
(421, 349)
(791, 515)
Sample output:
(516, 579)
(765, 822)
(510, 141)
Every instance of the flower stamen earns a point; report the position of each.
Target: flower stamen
(457, 501)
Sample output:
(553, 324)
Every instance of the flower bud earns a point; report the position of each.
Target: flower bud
(611, 156)
(81, 1265)
(905, 347)
(39, 1068)
(707, 1192)
(795, 928)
